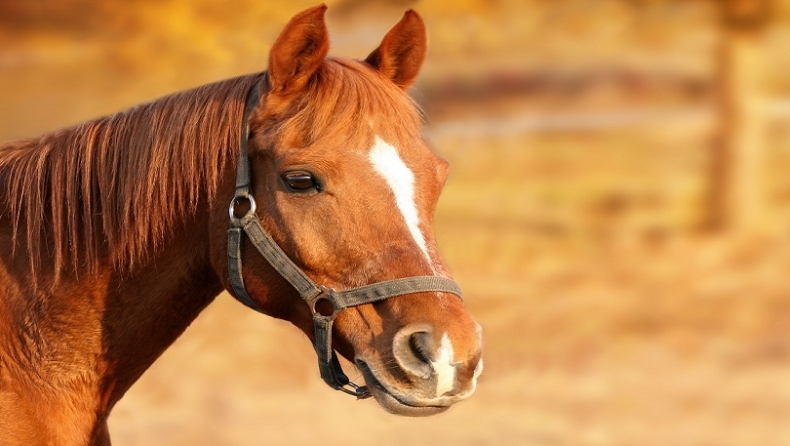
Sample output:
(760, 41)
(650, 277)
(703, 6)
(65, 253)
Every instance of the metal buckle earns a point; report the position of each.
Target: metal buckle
(232, 207)
(361, 392)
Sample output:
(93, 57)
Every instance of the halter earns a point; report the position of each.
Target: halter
(328, 364)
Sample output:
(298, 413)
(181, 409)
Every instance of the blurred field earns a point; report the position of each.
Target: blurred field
(581, 135)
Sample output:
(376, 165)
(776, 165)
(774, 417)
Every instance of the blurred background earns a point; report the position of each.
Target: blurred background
(618, 213)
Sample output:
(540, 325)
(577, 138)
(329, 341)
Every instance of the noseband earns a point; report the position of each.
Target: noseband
(328, 364)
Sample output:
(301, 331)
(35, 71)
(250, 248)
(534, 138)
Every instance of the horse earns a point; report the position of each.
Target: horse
(306, 191)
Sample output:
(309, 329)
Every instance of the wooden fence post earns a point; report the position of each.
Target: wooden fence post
(737, 186)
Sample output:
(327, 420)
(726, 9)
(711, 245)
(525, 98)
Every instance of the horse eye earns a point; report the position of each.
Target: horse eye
(300, 180)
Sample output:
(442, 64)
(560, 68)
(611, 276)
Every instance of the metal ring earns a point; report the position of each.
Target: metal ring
(325, 294)
(231, 208)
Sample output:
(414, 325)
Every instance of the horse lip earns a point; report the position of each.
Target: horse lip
(392, 402)
(370, 379)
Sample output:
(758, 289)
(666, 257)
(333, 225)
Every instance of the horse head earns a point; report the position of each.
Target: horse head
(346, 186)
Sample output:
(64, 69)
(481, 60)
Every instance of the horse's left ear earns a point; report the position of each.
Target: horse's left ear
(402, 52)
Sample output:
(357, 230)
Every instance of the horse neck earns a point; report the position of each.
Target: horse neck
(94, 334)
(148, 310)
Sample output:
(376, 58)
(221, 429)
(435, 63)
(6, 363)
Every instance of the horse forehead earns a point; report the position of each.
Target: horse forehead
(412, 152)
(399, 163)
(409, 163)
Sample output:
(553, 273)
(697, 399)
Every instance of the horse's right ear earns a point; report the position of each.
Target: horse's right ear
(298, 51)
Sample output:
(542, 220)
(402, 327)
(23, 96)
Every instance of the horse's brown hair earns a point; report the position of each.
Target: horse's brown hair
(118, 183)
(349, 92)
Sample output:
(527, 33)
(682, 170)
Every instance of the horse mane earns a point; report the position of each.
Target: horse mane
(116, 184)
(349, 94)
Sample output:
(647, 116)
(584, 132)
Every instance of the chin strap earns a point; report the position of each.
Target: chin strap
(249, 225)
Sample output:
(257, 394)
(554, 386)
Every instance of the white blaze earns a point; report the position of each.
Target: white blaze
(444, 367)
(399, 177)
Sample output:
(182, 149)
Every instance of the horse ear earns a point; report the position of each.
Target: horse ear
(299, 50)
(402, 52)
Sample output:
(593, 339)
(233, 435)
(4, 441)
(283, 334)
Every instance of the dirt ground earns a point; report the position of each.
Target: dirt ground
(686, 345)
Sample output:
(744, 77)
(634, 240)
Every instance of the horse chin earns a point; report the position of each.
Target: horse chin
(391, 402)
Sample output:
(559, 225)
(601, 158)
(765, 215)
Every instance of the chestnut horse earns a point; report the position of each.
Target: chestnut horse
(114, 236)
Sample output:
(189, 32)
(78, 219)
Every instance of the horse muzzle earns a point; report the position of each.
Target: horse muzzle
(426, 374)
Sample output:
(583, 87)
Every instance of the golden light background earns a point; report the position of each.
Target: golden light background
(618, 213)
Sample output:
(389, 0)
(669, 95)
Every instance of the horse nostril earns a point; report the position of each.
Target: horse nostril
(419, 343)
(412, 349)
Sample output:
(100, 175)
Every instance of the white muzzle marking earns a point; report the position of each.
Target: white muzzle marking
(444, 367)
